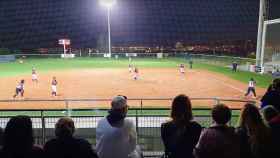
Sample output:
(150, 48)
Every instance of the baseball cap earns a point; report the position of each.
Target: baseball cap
(118, 102)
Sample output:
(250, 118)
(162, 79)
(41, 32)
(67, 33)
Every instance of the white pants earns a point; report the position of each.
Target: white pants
(34, 77)
(182, 70)
(54, 89)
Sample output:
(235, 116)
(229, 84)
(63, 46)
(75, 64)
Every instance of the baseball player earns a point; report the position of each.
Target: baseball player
(34, 75)
(251, 87)
(136, 74)
(182, 68)
(19, 89)
(130, 68)
(54, 86)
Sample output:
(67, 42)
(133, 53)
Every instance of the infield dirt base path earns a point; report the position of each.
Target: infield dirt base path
(105, 83)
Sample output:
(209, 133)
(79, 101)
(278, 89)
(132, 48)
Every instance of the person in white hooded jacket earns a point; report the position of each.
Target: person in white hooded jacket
(116, 136)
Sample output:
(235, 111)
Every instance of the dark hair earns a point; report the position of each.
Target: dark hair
(269, 112)
(276, 84)
(21, 81)
(125, 97)
(1, 136)
(251, 120)
(250, 115)
(181, 110)
(64, 127)
(18, 135)
(221, 114)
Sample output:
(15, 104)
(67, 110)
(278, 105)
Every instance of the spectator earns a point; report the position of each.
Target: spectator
(220, 140)
(18, 139)
(1, 137)
(272, 116)
(255, 137)
(115, 135)
(65, 145)
(272, 95)
(269, 112)
(181, 134)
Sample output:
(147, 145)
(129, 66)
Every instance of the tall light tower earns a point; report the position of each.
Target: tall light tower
(109, 5)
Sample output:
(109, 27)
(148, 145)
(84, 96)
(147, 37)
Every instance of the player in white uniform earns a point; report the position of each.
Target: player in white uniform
(130, 68)
(182, 68)
(19, 89)
(34, 75)
(251, 87)
(54, 86)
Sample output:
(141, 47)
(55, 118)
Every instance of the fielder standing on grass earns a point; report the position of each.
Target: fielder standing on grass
(34, 75)
(251, 88)
(54, 86)
(19, 89)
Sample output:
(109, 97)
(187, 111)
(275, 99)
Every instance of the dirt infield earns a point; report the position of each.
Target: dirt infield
(105, 83)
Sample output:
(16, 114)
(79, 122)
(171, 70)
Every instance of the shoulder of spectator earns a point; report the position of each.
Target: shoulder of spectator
(129, 123)
(196, 124)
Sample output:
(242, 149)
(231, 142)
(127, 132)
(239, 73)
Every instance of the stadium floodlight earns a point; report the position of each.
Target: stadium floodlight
(108, 4)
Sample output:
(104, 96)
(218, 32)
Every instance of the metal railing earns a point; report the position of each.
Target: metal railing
(147, 120)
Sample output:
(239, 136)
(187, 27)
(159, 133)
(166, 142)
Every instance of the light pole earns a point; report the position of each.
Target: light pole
(108, 4)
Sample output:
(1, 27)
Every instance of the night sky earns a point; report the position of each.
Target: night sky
(40, 23)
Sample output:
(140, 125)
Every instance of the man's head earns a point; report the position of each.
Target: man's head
(276, 84)
(221, 114)
(64, 127)
(119, 104)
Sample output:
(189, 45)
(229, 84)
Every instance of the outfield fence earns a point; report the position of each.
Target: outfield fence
(147, 120)
(196, 57)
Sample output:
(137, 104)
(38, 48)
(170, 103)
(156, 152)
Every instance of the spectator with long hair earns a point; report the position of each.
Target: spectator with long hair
(19, 140)
(254, 135)
(181, 133)
(219, 140)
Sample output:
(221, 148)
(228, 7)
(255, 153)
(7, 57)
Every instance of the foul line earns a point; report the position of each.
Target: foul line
(226, 84)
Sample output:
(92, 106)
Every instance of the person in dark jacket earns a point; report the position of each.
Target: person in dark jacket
(181, 134)
(272, 117)
(19, 140)
(272, 95)
(219, 140)
(65, 145)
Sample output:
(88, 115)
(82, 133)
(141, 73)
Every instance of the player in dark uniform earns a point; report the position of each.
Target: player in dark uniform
(191, 63)
(251, 87)
(19, 89)
(54, 86)
(234, 66)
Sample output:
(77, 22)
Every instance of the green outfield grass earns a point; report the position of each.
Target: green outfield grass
(54, 64)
